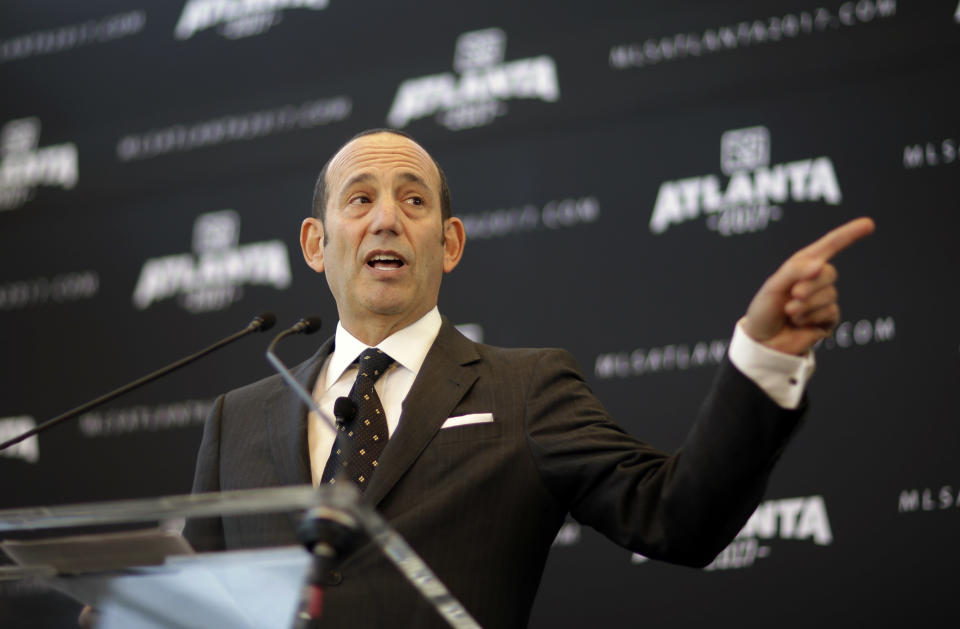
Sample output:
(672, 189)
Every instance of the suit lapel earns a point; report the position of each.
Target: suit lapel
(445, 377)
(286, 419)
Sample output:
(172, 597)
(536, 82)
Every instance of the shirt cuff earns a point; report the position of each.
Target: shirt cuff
(781, 376)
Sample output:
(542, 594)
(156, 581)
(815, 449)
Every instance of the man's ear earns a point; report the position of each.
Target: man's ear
(311, 243)
(454, 240)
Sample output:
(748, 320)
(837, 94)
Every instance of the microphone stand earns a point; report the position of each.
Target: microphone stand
(329, 530)
(261, 322)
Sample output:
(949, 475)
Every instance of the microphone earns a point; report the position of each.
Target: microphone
(344, 409)
(306, 325)
(261, 322)
(330, 532)
(324, 532)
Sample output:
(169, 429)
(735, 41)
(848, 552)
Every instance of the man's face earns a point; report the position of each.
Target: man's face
(387, 246)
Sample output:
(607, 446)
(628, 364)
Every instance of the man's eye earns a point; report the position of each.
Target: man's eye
(415, 201)
(360, 198)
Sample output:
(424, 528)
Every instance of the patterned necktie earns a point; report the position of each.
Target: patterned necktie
(366, 434)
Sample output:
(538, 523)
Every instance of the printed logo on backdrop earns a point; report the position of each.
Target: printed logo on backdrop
(64, 38)
(755, 194)
(29, 448)
(650, 360)
(861, 332)
(940, 498)
(252, 125)
(930, 154)
(797, 519)
(156, 418)
(214, 275)
(237, 18)
(748, 33)
(552, 215)
(58, 289)
(25, 165)
(477, 92)
(710, 353)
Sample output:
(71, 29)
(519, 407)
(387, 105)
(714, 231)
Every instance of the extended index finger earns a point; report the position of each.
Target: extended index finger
(838, 239)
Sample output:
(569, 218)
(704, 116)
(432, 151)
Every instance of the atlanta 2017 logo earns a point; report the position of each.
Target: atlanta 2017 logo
(755, 192)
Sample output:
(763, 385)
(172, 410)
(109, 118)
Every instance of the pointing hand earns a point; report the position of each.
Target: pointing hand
(797, 305)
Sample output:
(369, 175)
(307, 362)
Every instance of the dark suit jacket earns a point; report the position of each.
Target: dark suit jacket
(482, 503)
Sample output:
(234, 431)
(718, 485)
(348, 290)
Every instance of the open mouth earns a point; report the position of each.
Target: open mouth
(385, 262)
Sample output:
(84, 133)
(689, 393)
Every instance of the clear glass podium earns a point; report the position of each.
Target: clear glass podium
(150, 577)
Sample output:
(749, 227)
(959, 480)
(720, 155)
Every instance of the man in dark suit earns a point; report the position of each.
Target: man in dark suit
(487, 449)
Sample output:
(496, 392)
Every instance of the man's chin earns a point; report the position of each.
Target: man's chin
(387, 306)
(395, 302)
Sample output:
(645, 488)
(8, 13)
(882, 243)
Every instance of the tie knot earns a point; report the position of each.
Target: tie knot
(372, 363)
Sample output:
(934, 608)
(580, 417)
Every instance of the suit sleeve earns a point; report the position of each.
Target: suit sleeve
(683, 507)
(206, 534)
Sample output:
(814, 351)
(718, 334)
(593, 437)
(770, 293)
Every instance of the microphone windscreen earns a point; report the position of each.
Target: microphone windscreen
(311, 324)
(344, 409)
(266, 320)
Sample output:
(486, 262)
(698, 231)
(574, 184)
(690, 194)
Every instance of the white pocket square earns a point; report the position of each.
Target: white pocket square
(464, 420)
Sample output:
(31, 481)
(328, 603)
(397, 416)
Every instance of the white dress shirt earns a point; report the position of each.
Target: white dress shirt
(408, 348)
(783, 377)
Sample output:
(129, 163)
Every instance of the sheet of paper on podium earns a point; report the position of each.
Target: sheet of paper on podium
(76, 554)
(255, 589)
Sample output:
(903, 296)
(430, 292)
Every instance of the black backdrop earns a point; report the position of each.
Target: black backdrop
(158, 157)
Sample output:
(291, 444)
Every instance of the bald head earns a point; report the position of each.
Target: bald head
(379, 237)
(321, 193)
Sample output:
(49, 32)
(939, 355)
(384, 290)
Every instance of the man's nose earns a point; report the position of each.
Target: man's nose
(386, 217)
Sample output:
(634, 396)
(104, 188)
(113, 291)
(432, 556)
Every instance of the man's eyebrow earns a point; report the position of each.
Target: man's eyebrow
(410, 177)
(406, 176)
(362, 177)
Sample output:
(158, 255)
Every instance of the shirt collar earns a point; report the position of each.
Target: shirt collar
(408, 347)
